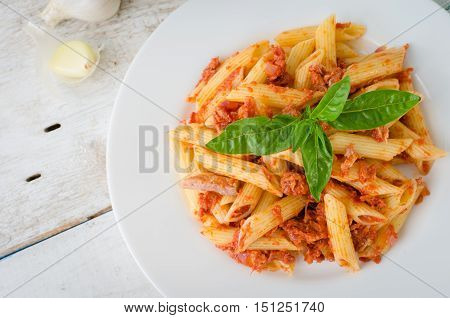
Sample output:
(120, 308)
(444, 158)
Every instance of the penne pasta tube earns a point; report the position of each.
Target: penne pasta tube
(227, 199)
(343, 50)
(388, 233)
(419, 149)
(339, 233)
(244, 59)
(347, 32)
(358, 211)
(183, 157)
(272, 96)
(398, 204)
(238, 169)
(265, 201)
(326, 41)
(275, 165)
(299, 52)
(376, 65)
(220, 212)
(193, 134)
(245, 203)
(257, 74)
(288, 155)
(260, 223)
(375, 186)
(367, 147)
(223, 236)
(302, 74)
(390, 83)
(387, 172)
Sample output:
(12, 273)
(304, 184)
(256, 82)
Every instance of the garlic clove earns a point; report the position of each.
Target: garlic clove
(73, 60)
(69, 62)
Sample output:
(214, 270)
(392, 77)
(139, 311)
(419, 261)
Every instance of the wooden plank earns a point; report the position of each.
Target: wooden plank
(70, 160)
(101, 268)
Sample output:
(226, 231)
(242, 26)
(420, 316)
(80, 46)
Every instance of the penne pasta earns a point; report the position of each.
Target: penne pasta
(223, 236)
(220, 212)
(343, 50)
(419, 150)
(260, 223)
(298, 53)
(257, 74)
(390, 83)
(326, 41)
(244, 59)
(375, 66)
(375, 186)
(357, 210)
(272, 96)
(347, 32)
(275, 165)
(239, 169)
(367, 147)
(387, 234)
(227, 199)
(265, 210)
(245, 203)
(302, 73)
(193, 134)
(339, 233)
(387, 172)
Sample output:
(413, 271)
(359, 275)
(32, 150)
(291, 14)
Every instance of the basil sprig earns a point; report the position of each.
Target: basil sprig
(264, 136)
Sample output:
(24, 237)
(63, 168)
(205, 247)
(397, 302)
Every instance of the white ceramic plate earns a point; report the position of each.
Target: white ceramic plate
(161, 234)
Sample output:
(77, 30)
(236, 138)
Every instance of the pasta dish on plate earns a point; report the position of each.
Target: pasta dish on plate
(293, 149)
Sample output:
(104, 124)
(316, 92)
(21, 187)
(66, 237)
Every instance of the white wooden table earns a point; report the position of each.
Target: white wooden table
(43, 220)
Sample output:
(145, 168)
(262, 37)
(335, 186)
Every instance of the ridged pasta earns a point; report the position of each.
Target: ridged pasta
(419, 149)
(351, 177)
(259, 224)
(272, 96)
(358, 211)
(339, 233)
(223, 236)
(302, 74)
(367, 147)
(298, 53)
(375, 66)
(326, 40)
(343, 50)
(193, 134)
(238, 169)
(291, 37)
(390, 83)
(245, 59)
(245, 203)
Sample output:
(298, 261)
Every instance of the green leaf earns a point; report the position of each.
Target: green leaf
(317, 155)
(374, 109)
(332, 103)
(256, 135)
(301, 132)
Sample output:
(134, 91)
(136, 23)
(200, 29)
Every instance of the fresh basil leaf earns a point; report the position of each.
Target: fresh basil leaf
(307, 113)
(374, 109)
(256, 135)
(301, 132)
(317, 155)
(332, 103)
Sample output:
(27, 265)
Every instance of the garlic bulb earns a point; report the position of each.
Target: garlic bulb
(86, 10)
(70, 62)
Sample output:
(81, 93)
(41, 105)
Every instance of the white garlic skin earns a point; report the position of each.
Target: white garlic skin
(85, 10)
